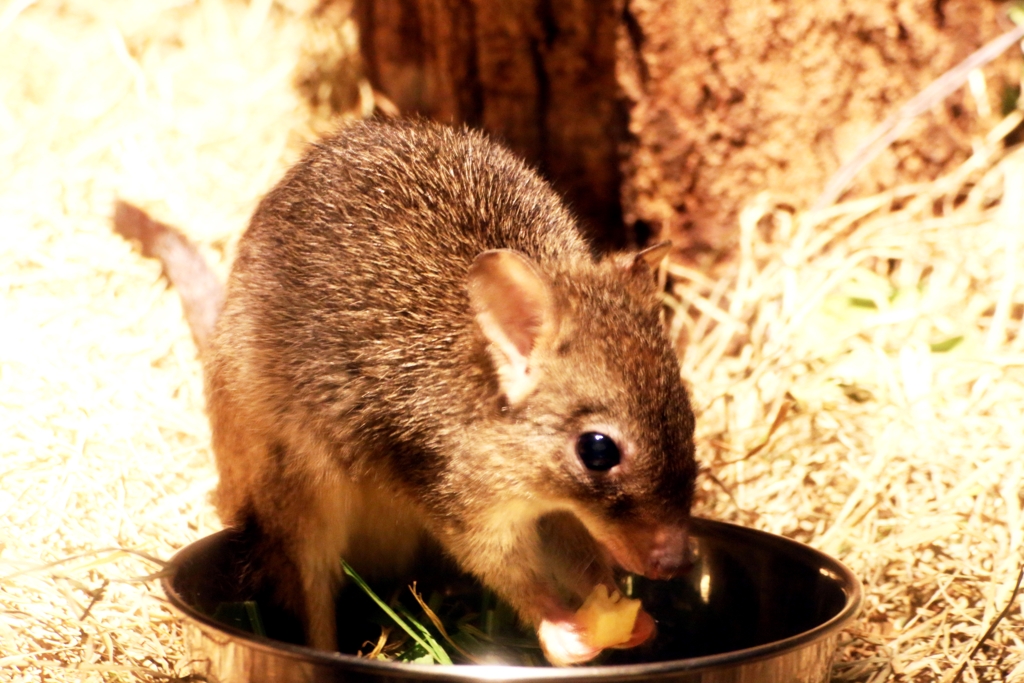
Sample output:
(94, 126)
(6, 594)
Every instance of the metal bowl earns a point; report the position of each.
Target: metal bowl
(754, 607)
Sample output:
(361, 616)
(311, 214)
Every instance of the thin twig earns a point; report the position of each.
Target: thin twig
(894, 126)
(780, 418)
(436, 620)
(78, 556)
(992, 627)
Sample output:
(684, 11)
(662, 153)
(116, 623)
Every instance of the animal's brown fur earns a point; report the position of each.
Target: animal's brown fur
(361, 400)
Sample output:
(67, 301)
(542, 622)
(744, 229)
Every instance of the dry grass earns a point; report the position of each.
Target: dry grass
(189, 109)
(889, 328)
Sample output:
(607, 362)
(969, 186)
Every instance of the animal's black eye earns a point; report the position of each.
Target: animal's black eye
(597, 451)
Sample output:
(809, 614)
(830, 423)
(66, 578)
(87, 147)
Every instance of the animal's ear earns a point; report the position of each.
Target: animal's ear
(654, 254)
(644, 261)
(515, 310)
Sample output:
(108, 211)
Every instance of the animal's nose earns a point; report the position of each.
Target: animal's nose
(669, 555)
(662, 567)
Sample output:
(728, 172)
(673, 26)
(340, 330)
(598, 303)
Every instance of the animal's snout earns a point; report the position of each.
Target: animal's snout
(669, 554)
(657, 551)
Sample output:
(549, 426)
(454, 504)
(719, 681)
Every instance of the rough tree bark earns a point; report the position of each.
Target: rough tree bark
(743, 96)
(662, 118)
(539, 75)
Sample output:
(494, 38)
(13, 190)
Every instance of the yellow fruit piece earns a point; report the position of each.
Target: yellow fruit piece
(607, 617)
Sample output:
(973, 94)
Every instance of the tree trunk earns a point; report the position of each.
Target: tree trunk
(537, 74)
(662, 118)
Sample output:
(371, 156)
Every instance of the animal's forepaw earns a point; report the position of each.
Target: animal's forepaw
(566, 642)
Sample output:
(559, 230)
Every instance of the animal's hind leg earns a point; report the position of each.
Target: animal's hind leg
(319, 584)
(314, 522)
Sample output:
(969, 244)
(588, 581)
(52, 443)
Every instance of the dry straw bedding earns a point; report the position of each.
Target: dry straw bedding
(887, 331)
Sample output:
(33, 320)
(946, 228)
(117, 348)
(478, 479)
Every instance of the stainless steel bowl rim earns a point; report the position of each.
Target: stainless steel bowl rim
(475, 672)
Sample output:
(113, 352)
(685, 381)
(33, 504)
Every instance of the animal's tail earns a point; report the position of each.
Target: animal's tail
(202, 294)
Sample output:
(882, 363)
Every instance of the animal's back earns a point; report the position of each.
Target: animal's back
(346, 310)
(417, 345)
